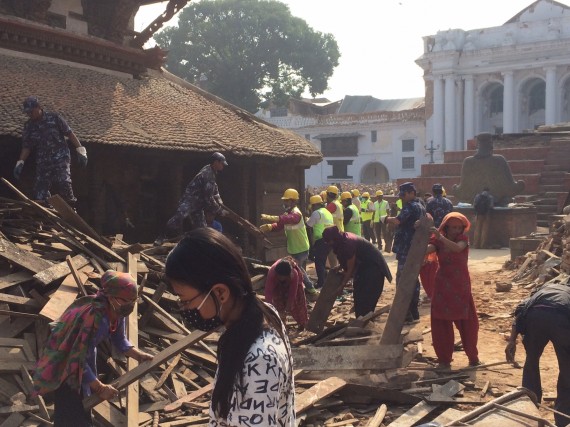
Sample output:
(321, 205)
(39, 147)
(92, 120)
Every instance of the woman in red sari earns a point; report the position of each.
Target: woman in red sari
(452, 301)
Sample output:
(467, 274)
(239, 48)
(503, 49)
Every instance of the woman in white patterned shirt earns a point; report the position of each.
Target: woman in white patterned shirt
(254, 380)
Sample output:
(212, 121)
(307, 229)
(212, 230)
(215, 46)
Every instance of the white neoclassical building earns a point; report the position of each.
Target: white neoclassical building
(363, 139)
(506, 79)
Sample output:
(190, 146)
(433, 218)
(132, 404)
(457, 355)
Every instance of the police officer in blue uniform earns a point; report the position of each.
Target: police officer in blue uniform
(45, 134)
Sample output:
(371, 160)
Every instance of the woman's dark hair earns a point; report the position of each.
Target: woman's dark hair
(204, 258)
(283, 268)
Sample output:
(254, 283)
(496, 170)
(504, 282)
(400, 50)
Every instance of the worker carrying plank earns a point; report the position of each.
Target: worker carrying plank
(293, 223)
(68, 363)
(201, 195)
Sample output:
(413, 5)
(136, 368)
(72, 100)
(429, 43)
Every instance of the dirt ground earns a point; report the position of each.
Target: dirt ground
(494, 309)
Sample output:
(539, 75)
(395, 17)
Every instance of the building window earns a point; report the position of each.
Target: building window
(537, 97)
(308, 136)
(340, 147)
(339, 169)
(496, 100)
(373, 136)
(278, 112)
(408, 145)
(408, 163)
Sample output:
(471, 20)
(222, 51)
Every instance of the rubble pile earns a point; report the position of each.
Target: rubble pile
(343, 375)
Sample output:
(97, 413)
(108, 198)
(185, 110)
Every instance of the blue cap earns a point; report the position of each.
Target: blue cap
(406, 187)
(219, 156)
(30, 103)
(437, 188)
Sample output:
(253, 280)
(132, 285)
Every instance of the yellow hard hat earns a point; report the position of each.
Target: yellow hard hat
(290, 194)
(346, 195)
(366, 194)
(324, 195)
(315, 199)
(332, 189)
(355, 192)
(379, 193)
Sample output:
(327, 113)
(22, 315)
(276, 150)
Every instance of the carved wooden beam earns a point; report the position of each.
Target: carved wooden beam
(173, 7)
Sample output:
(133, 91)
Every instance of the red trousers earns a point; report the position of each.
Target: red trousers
(443, 337)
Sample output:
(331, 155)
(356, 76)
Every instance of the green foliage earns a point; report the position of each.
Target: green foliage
(250, 51)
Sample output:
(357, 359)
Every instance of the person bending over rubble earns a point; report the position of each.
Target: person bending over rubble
(254, 380)
(361, 260)
(284, 289)
(68, 364)
(452, 301)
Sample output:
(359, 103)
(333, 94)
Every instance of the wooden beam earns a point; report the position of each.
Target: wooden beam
(133, 337)
(378, 417)
(317, 392)
(78, 281)
(174, 406)
(422, 409)
(348, 357)
(148, 366)
(64, 296)
(57, 271)
(25, 259)
(407, 283)
(325, 302)
(109, 416)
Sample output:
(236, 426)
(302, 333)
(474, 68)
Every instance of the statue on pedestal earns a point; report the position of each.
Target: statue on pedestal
(487, 170)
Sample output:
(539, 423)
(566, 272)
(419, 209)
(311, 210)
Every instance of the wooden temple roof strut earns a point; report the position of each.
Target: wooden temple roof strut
(172, 8)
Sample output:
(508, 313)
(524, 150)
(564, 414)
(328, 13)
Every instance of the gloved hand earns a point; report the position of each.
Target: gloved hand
(18, 169)
(269, 218)
(266, 228)
(82, 156)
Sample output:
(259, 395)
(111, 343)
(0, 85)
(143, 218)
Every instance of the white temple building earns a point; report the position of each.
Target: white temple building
(506, 79)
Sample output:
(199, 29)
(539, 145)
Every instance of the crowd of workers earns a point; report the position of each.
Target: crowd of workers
(348, 230)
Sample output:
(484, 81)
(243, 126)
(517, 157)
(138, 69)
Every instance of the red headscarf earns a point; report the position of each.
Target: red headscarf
(458, 216)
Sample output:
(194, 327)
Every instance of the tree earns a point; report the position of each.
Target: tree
(250, 51)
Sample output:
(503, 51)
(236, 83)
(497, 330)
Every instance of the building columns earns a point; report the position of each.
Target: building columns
(449, 120)
(438, 112)
(508, 102)
(550, 96)
(469, 110)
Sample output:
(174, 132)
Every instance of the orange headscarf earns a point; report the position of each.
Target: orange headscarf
(458, 216)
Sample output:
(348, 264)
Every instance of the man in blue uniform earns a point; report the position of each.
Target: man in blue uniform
(45, 134)
(201, 195)
(438, 206)
(412, 211)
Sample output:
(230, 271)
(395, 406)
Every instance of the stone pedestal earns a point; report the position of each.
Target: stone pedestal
(505, 223)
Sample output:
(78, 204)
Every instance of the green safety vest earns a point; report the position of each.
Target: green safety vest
(297, 239)
(325, 221)
(338, 216)
(381, 210)
(353, 225)
(399, 204)
(366, 216)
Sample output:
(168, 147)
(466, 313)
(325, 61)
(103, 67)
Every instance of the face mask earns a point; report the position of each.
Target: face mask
(193, 318)
(124, 310)
(286, 207)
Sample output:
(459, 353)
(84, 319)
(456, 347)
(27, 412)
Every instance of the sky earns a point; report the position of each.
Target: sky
(379, 40)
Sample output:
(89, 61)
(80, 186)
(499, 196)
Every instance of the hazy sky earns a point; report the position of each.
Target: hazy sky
(379, 40)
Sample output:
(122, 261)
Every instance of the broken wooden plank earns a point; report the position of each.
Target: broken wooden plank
(64, 296)
(325, 302)
(57, 271)
(422, 409)
(133, 336)
(317, 392)
(14, 420)
(147, 366)
(12, 253)
(108, 415)
(407, 283)
(67, 213)
(447, 416)
(378, 417)
(174, 406)
(348, 357)
(15, 279)
(78, 282)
